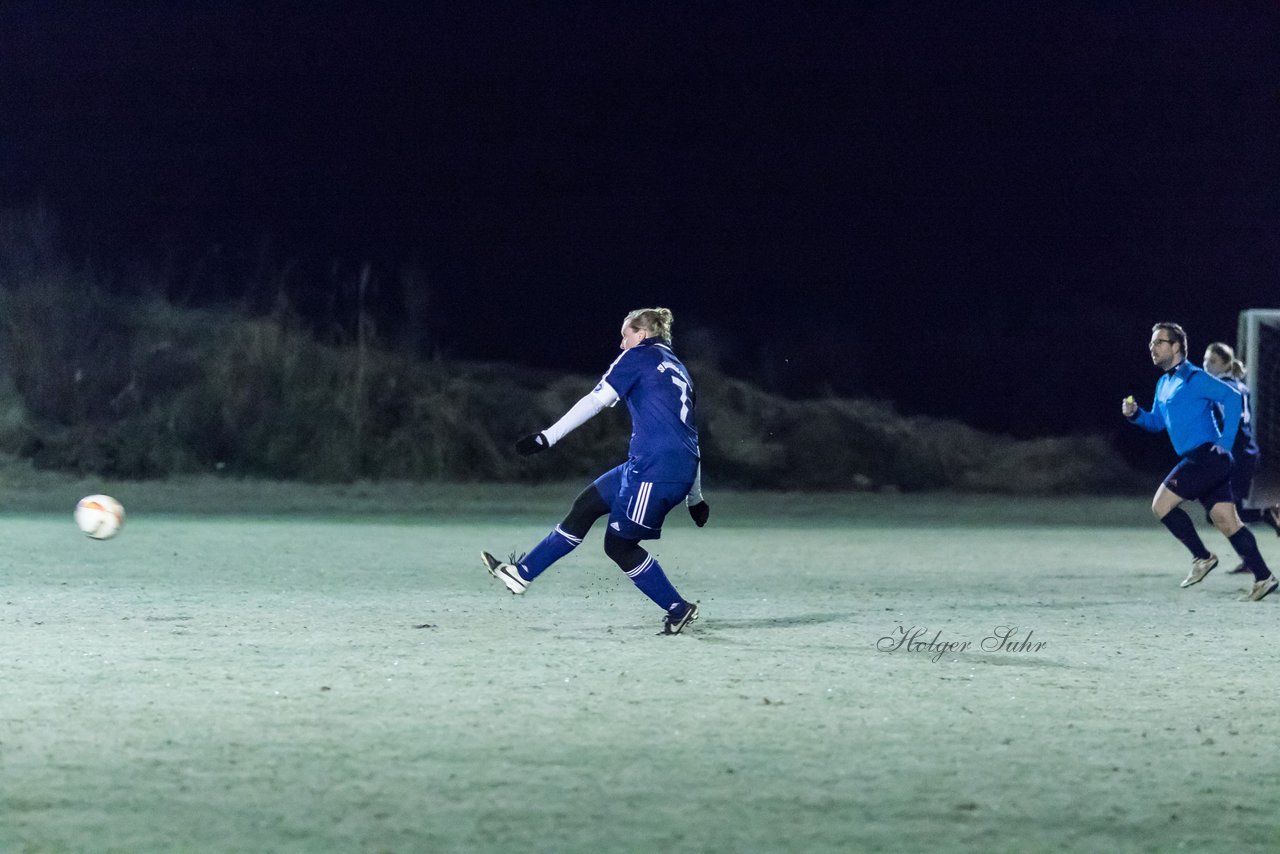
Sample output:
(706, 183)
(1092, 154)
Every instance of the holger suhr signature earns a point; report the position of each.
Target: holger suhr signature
(917, 639)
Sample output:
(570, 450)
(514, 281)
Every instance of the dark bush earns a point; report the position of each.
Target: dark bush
(127, 388)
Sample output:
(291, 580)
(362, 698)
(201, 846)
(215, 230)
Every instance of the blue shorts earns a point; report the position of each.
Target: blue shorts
(637, 507)
(1203, 474)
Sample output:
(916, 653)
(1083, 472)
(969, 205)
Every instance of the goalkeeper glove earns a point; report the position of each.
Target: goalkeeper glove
(700, 512)
(534, 443)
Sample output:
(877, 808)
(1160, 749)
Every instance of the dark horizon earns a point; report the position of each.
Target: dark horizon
(974, 213)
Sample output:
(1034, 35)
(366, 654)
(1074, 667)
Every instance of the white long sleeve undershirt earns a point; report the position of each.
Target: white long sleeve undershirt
(589, 406)
(695, 491)
(581, 412)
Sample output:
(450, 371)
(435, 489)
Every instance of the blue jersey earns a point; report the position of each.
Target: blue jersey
(1184, 405)
(659, 395)
(1245, 443)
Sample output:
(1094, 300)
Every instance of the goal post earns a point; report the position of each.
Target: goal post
(1258, 346)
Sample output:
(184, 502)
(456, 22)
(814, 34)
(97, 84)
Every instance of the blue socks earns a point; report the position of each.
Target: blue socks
(652, 581)
(647, 575)
(554, 546)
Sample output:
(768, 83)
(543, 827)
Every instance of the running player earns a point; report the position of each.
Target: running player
(1221, 362)
(1184, 401)
(662, 468)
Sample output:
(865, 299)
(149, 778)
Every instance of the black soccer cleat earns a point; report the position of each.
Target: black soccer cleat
(674, 622)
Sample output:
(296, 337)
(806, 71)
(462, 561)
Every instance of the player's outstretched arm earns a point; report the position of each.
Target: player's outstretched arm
(585, 409)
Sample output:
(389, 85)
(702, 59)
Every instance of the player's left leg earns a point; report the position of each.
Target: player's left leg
(646, 573)
(1226, 520)
(638, 512)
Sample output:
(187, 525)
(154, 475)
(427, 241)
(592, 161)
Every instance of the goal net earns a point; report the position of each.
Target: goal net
(1258, 346)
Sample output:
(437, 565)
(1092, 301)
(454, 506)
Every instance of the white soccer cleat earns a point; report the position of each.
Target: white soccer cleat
(507, 573)
(1262, 589)
(1200, 567)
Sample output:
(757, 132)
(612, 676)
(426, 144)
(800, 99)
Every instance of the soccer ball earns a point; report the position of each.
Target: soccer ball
(99, 516)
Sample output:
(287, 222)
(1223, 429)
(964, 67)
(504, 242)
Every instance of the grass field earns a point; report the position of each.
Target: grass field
(332, 670)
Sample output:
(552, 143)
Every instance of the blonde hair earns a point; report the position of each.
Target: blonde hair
(656, 321)
(1226, 354)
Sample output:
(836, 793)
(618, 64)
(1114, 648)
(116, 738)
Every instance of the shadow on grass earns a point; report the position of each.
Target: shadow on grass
(1009, 660)
(781, 622)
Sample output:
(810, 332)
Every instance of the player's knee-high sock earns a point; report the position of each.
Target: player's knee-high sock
(643, 570)
(652, 581)
(1246, 545)
(587, 508)
(1181, 526)
(554, 546)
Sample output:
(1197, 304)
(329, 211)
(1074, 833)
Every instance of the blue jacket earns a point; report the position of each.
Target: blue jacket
(1184, 405)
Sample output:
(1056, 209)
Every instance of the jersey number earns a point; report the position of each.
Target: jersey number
(684, 397)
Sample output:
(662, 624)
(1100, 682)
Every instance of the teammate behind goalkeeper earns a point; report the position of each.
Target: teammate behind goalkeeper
(1221, 362)
(662, 468)
(1184, 406)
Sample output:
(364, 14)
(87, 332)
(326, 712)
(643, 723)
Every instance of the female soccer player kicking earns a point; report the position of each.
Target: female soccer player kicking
(662, 468)
(1184, 406)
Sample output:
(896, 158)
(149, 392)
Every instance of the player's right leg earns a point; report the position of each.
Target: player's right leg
(1166, 509)
(647, 575)
(638, 512)
(516, 573)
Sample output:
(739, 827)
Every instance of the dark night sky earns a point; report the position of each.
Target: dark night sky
(975, 212)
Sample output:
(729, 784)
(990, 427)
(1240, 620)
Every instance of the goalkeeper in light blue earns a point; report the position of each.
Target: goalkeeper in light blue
(1184, 407)
(662, 468)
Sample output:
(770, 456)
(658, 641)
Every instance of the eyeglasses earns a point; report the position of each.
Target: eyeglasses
(1155, 341)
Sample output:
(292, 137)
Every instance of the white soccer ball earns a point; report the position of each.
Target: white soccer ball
(99, 516)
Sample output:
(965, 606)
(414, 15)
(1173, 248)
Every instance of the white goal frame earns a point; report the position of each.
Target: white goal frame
(1266, 485)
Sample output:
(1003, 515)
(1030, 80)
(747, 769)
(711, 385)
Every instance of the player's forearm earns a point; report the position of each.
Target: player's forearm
(1149, 421)
(580, 413)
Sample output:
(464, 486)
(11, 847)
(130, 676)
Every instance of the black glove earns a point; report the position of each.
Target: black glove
(534, 443)
(700, 512)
